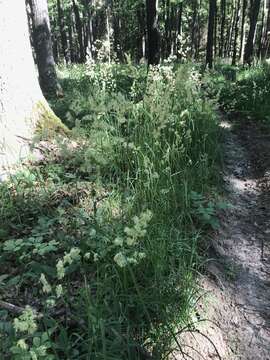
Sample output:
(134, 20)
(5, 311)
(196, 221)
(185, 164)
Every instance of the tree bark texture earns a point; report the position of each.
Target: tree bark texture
(43, 48)
(253, 15)
(152, 32)
(23, 107)
(210, 35)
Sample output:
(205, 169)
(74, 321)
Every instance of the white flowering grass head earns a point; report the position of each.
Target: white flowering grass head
(59, 291)
(72, 256)
(46, 287)
(26, 323)
(128, 253)
(60, 269)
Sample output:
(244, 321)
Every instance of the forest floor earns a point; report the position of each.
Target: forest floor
(237, 279)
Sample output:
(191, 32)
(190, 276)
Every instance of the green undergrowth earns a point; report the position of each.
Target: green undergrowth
(243, 92)
(100, 240)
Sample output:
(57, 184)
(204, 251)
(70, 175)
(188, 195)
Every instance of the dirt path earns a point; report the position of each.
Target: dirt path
(238, 279)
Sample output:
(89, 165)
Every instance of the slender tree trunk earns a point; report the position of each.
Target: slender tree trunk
(198, 32)
(152, 32)
(178, 38)
(193, 26)
(141, 33)
(231, 32)
(166, 48)
(265, 40)
(215, 30)
(210, 36)
(79, 29)
(70, 39)
(43, 48)
(243, 29)
(173, 29)
(116, 25)
(236, 32)
(108, 27)
(262, 27)
(23, 107)
(61, 24)
(90, 44)
(249, 48)
(222, 27)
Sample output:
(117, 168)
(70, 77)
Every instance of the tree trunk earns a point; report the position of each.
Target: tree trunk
(243, 29)
(79, 29)
(43, 48)
(198, 32)
(236, 32)
(262, 27)
(72, 54)
(61, 24)
(231, 30)
(249, 48)
(222, 27)
(23, 107)
(178, 39)
(215, 30)
(141, 33)
(89, 29)
(265, 40)
(210, 36)
(152, 32)
(194, 26)
(173, 28)
(108, 31)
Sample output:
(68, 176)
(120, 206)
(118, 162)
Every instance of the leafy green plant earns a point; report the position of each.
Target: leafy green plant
(247, 97)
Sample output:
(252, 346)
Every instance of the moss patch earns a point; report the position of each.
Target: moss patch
(48, 124)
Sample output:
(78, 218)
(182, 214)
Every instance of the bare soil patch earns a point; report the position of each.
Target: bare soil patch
(237, 280)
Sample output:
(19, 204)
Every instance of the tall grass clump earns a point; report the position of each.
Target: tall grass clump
(103, 235)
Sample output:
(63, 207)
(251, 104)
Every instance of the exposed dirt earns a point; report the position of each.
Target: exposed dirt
(238, 277)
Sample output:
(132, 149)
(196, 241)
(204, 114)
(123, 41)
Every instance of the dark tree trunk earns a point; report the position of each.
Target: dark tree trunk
(231, 30)
(236, 32)
(180, 18)
(70, 39)
(193, 26)
(222, 27)
(249, 48)
(117, 32)
(152, 32)
(141, 33)
(43, 48)
(79, 29)
(265, 41)
(173, 33)
(61, 24)
(179, 29)
(210, 35)
(260, 38)
(215, 30)
(89, 41)
(166, 48)
(108, 30)
(242, 41)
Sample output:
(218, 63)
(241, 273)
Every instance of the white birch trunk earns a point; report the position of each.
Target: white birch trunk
(22, 105)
